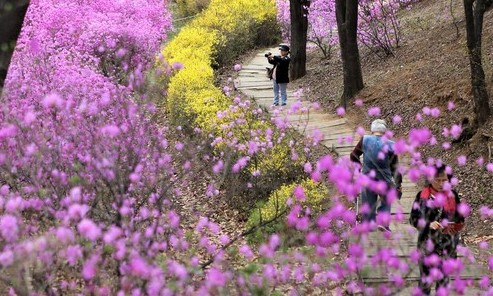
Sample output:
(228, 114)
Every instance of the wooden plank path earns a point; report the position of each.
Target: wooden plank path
(253, 83)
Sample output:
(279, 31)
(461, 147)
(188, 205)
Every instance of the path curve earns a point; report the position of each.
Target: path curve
(252, 82)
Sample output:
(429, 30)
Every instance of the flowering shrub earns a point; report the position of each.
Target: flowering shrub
(307, 193)
(206, 41)
(191, 7)
(89, 180)
(85, 173)
(379, 27)
(378, 24)
(193, 99)
(322, 25)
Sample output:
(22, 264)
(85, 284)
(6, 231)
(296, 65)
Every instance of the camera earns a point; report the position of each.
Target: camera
(268, 54)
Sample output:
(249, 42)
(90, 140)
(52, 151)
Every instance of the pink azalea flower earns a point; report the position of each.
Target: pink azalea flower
(216, 278)
(52, 100)
(89, 229)
(435, 112)
(341, 111)
(374, 111)
(73, 254)
(9, 227)
(455, 131)
(461, 160)
(177, 66)
(299, 193)
(396, 119)
(464, 209)
(307, 167)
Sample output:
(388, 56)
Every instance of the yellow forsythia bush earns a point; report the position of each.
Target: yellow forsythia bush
(192, 95)
(316, 194)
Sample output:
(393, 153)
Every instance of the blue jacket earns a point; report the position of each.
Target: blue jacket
(378, 156)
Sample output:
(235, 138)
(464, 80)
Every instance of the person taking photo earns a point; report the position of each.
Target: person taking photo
(280, 74)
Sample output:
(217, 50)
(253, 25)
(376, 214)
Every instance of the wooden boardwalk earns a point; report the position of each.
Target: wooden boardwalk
(253, 83)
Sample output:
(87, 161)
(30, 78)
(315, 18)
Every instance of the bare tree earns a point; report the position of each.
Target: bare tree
(474, 11)
(347, 26)
(299, 31)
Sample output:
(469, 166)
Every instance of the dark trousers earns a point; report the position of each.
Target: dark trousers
(445, 246)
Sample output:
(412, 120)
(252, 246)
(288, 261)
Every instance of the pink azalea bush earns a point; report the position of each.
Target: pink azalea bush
(378, 24)
(89, 178)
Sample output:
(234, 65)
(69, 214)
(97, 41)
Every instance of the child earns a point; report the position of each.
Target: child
(436, 217)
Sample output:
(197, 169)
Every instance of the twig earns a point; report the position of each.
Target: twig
(243, 234)
(453, 19)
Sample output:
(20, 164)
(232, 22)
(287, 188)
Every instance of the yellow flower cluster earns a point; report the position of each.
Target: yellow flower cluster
(192, 95)
(315, 193)
(316, 197)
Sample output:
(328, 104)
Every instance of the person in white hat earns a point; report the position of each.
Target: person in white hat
(380, 163)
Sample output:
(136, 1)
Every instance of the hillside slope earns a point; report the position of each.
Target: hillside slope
(431, 68)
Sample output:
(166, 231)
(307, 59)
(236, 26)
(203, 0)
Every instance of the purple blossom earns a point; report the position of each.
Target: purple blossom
(77, 211)
(307, 167)
(7, 258)
(177, 66)
(435, 112)
(246, 251)
(464, 209)
(9, 227)
(89, 269)
(65, 235)
(374, 111)
(462, 160)
(396, 119)
(138, 267)
(419, 136)
(216, 278)
(299, 193)
(73, 254)
(89, 229)
(52, 100)
(110, 130)
(455, 131)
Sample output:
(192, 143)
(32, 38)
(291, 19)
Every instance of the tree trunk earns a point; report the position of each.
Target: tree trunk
(347, 26)
(474, 30)
(299, 30)
(12, 14)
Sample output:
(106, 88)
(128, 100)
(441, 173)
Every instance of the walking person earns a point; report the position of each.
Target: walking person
(435, 214)
(380, 163)
(280, 75)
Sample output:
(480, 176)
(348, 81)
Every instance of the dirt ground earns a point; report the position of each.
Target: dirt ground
(430, 68)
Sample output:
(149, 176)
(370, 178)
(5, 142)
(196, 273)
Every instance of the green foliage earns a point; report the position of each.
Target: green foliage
(316, 194)
(191, 7)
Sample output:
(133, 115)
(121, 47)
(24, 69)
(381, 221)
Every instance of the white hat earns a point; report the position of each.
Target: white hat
(378, 126)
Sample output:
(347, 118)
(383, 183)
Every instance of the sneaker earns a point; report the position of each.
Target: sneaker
(384, 228)
(275, 104)
(283, 104)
